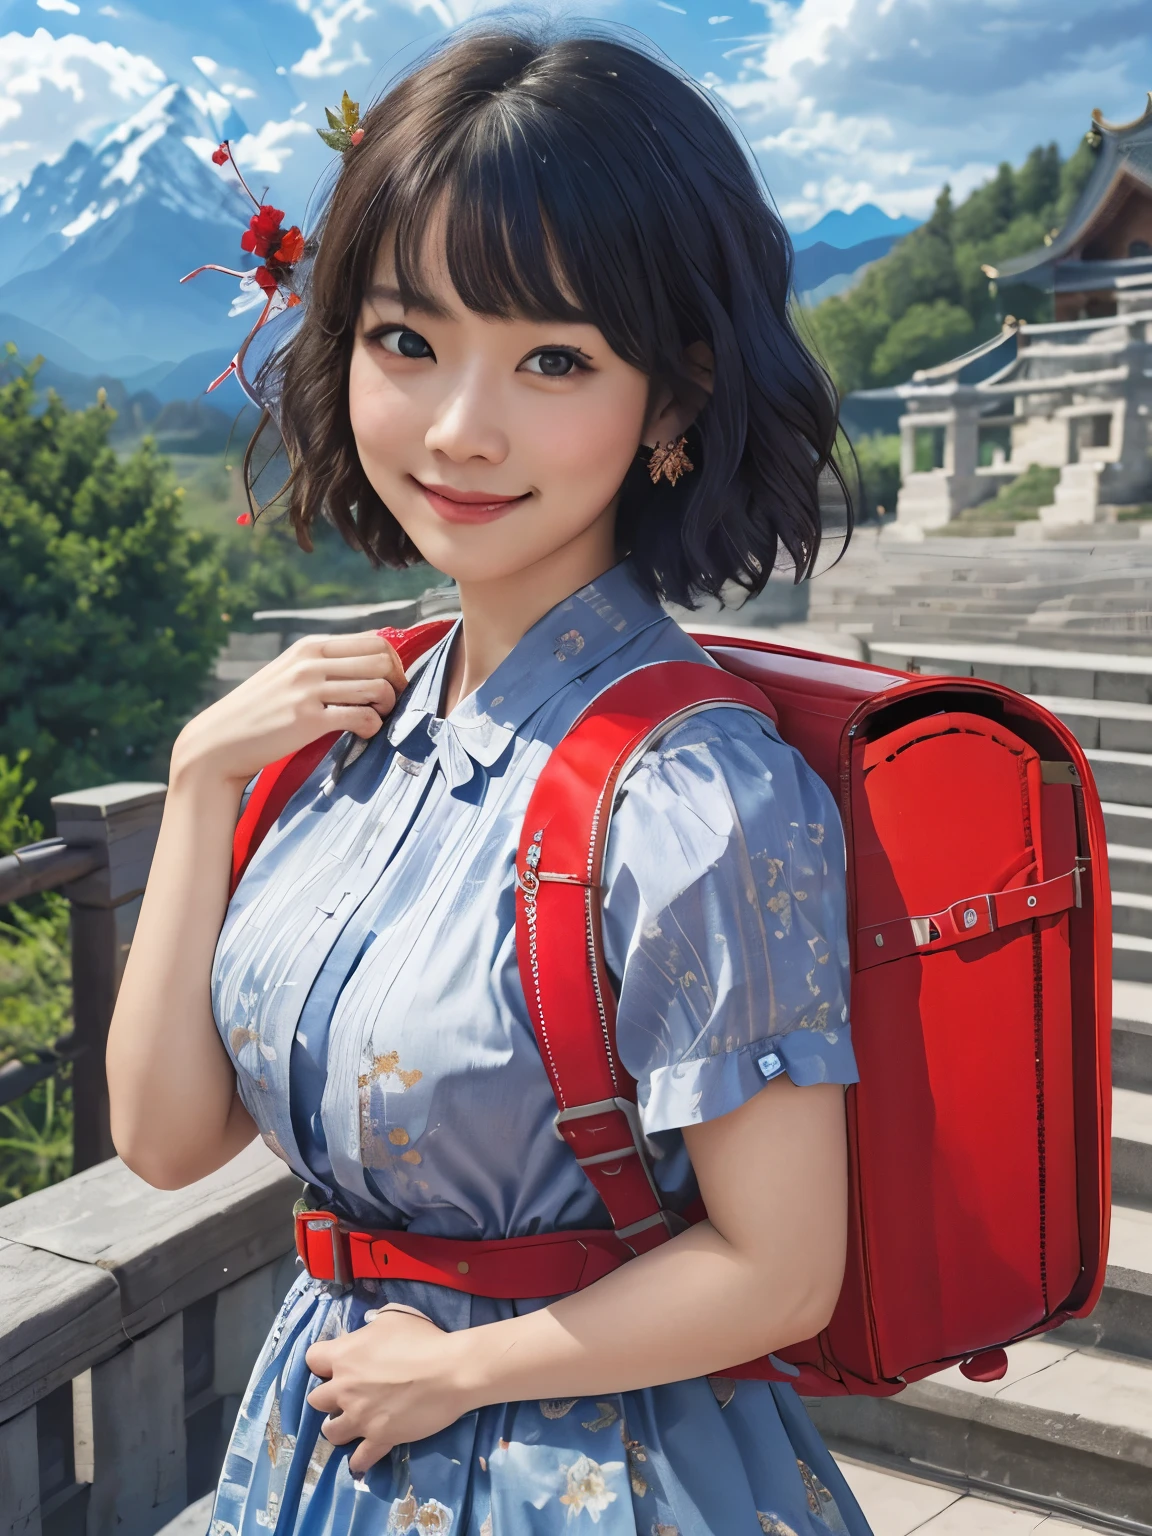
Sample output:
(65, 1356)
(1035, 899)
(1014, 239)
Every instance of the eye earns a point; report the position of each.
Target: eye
(553, 362)
(402, 342)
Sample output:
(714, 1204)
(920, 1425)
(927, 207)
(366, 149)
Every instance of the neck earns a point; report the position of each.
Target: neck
(497, 613)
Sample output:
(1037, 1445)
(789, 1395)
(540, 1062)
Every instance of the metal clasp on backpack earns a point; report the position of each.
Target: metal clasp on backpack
(600, 1107)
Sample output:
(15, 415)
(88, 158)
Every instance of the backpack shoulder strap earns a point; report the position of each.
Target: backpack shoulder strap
(558, 941)
(279, 781)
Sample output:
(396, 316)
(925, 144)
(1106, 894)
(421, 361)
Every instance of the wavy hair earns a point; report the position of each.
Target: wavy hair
(577, 178)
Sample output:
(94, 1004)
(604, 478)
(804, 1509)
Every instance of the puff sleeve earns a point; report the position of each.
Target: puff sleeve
(724, 921)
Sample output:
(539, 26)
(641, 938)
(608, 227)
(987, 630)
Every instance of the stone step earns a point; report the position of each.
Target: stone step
(1131, 914)
(1130, 825)
(1132, 1146)
(1110, 724)
(1122, 776)
(1132, 1034)
(1130, 868)
(1121, 1321)
(896, 1504)
(1067, 1429)
(1027, 668)
(1131, 958)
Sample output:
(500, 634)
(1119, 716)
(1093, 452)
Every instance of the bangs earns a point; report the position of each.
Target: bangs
(533, 226)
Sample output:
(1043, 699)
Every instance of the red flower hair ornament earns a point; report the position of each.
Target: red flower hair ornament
(268, 286)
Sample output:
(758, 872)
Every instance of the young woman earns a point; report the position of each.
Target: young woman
(545, 269)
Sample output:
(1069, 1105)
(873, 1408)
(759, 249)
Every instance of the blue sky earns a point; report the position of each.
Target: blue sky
(844, 101)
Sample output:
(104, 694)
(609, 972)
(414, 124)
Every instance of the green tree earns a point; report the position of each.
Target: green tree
(924, 335)
(110, 609)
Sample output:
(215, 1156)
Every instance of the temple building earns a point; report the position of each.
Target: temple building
(1074, 394)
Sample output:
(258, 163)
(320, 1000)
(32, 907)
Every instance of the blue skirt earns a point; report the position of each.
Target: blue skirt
(704, 1457)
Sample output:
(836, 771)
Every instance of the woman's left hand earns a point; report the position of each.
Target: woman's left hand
(395, 1380)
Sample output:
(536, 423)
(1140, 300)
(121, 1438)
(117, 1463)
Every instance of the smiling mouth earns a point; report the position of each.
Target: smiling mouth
(467, 506)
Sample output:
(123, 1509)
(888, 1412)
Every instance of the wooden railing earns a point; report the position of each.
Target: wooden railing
(99, 859)
(130, 1319)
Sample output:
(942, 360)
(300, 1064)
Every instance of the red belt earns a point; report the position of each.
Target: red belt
(506, 1268)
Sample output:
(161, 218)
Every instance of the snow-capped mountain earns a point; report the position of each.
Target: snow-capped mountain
(93, 247)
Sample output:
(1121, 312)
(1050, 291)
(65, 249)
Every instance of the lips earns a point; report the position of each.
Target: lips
(467, 506)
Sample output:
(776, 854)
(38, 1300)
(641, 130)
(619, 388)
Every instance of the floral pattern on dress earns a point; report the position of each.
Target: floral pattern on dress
(588, 1487)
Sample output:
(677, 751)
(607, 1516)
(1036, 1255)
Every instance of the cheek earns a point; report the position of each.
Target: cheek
(377, 412)
(592, 438)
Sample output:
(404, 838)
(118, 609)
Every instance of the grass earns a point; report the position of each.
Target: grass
(1018, 502)
(35, 1012)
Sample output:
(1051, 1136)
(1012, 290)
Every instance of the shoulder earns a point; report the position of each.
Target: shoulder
(720, 799)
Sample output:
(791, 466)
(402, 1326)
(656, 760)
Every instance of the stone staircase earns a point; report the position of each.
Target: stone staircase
(1061, 596)
(1066, 1436)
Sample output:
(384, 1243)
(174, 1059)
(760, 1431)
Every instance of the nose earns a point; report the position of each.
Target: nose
(468, 423)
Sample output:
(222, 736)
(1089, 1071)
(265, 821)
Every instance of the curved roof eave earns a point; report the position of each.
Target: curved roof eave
(1106, 173)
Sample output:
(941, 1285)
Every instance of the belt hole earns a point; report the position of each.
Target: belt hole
(1031, 901)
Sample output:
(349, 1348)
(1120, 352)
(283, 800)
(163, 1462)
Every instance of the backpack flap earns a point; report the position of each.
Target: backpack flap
(962, 1023)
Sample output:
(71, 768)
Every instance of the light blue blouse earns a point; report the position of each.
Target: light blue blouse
(365, 980)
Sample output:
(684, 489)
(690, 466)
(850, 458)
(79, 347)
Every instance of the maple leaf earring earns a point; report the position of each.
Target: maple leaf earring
(670, 461)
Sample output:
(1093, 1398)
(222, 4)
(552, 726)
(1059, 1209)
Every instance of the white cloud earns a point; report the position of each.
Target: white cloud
(870, 100)
(108, 10)
(204, 64)
(63, 88)
(266, 151)
(59, 5)
(329, 18)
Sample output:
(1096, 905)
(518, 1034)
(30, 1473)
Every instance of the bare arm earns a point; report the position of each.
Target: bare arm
(762, 1273)
(175, 1112)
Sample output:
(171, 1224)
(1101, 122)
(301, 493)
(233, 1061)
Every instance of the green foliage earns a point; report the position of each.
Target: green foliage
(928, 299)
(1021, 497)
(35, 1009)
(1017, 502)
(878, 455)
(110, 608)
(927, 333)
(35, 1140)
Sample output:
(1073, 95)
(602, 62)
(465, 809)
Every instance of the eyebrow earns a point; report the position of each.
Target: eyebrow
(420, 305)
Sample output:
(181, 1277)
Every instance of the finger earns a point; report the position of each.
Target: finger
(372, 665)
(359, 690)
(363, 722)
(339, 1430)
(324, 1398)
(365, 642)
(366, 1455)
(318, 1359)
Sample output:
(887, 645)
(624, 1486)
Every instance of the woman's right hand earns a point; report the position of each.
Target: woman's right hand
(321, 683)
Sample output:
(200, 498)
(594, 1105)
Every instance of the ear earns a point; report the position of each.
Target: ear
(671, 413)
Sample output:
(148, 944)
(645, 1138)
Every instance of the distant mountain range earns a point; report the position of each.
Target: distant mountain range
(842, 230)
(833, 255)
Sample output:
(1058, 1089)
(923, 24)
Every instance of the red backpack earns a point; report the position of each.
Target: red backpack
(980, 930)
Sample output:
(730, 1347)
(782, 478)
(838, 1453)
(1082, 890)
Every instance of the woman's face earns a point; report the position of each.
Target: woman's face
(494, 443)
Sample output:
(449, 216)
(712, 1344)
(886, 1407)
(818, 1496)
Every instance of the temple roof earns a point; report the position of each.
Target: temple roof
(1125, 158)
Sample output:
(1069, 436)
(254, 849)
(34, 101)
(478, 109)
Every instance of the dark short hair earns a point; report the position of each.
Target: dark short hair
(581, 179)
